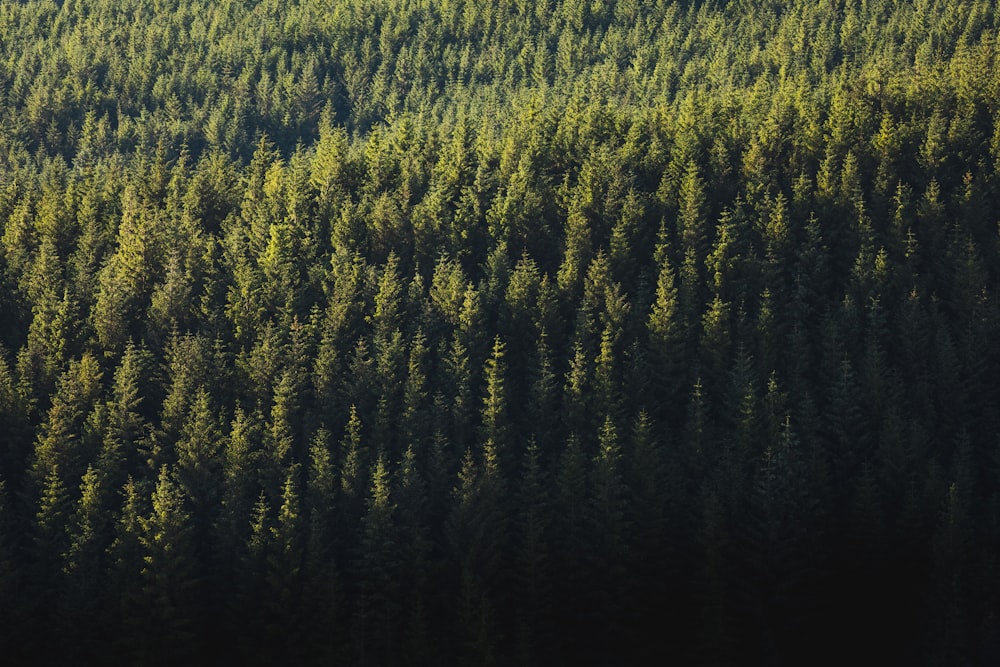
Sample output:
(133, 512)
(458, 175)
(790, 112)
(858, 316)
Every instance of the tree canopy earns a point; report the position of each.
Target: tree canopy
(446, 332)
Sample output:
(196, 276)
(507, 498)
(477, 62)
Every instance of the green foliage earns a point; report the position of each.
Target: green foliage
(536, 333)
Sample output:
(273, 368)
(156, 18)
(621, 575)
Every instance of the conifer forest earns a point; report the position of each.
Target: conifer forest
(509, 332)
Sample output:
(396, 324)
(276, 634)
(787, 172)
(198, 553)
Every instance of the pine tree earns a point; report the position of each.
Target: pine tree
(59, 444)
(126, 425)
(390, 363)
(666, 345)
(187, 363)
(458, 376)
(280, 436)
(415, 414)
(377, 635)
(320, 592)
(353, 470)
(50, 541)
(416, 568)
(715, 343)
(127, 561)
(168, 574)
(607, 535)
(240, 484)
(569, 539)
(127, 279)
(283, 576)
(476, 532)
(199, 464)
(85, 565)
(607, 395)
(534, 586)
(496, 429)
(388, 301)
(254, 583)
(9, 574)
(543, 394)
(691, 217)
(575, 404)
(652, 478)
(781, 507)
(14, 428)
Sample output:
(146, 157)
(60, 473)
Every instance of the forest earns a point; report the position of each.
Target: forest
(549, 332)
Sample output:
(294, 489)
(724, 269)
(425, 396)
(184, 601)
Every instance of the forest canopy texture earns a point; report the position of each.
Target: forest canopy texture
(432, 332)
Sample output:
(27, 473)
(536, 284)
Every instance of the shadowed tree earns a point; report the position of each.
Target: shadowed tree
(377, 625)
(168, 575)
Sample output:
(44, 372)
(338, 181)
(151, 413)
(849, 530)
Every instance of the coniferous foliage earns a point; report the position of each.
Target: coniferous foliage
(384, 332)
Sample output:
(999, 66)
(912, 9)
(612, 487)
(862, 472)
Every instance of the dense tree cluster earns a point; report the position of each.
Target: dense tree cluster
(387, 332)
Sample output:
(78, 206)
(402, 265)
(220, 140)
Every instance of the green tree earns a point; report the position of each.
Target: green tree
(126, 424)
(475, 533)
(50, 538)
(532, 525)
(126, 281)
(608, 537)
(353, 459)
(59, 443)
(416, 568)
(237, 491)
(321, 592)
(199, 476)
(416, 399)
(666, 342)
(9, 574)
(168, 574)
(126, 554)
(496, 429)
(378, 606)
(86, 568)
(283, 574)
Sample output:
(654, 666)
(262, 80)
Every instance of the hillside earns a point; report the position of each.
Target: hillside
(385, 332)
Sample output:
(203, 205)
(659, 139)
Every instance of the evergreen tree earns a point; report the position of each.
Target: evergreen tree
(59, 444)
(199, 463)
(8, 569)
(283, 572)
(532, 525)
(126, 424)
(85, 564)
(416, 567)
(126, 554)
(50, 541)
(476, 533)
(353, 470)
(496, 435)
(607, 534)
(168, 574)
(666, 342)
(378, 607)
(320, 592)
